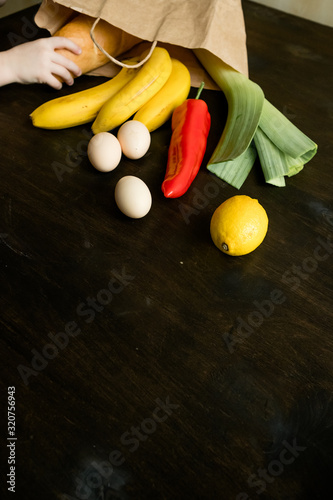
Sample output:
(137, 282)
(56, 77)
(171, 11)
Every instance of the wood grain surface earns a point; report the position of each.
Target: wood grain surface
(146, 363)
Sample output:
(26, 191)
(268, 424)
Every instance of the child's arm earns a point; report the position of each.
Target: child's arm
(38, 62)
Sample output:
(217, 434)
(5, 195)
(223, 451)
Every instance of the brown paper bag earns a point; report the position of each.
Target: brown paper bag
(179, 25)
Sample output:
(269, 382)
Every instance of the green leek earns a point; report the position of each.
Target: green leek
(272, 160)
(245, 103)
(285, 135)
(235, 172)
(253, 126)
(283, 149)
(277, 181)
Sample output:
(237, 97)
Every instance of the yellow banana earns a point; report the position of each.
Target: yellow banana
(80, 107)
(149, 80)
(173, 93)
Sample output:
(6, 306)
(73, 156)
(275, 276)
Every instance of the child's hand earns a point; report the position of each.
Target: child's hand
(39, 62)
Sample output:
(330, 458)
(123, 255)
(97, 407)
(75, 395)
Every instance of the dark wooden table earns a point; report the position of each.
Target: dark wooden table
(147, 364)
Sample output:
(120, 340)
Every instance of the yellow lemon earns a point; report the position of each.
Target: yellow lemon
(239, 225)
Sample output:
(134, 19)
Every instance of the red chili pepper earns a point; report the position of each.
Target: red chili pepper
(190, 127)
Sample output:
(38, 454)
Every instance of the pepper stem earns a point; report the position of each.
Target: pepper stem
(200, 90)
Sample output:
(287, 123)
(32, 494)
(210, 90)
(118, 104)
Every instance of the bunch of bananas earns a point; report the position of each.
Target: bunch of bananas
(150, 93)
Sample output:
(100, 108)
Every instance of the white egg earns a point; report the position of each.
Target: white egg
(133, 197)
(104, 151)
(134, 138)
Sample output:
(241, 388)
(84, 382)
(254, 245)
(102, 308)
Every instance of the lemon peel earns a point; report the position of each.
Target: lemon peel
(239, 225)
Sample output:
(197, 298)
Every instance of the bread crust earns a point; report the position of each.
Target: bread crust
(114, 40)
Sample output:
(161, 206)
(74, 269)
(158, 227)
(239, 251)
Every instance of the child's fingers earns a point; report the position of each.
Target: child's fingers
(61, 42)
(66, 63)
(63, 73)
(52, 81)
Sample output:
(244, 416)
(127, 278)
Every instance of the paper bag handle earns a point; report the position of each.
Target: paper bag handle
(120, 63)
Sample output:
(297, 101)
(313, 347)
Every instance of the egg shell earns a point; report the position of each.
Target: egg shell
(133, 197)
(134, 138)
(104, 151)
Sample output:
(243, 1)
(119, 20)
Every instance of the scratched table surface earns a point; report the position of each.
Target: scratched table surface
(143, 362)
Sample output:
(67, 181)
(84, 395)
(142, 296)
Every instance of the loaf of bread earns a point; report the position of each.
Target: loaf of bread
(113, 40)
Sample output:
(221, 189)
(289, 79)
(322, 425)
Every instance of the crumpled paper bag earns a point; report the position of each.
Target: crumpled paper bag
(178, 25)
